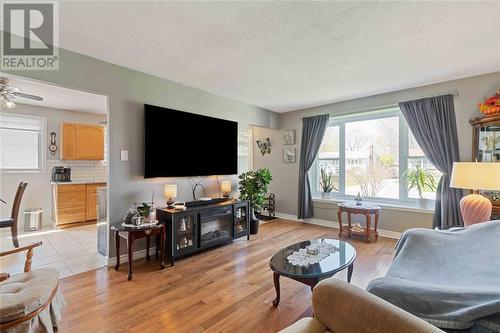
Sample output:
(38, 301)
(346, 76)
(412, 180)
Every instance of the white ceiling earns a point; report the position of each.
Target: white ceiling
(289, 55)
(59, 97)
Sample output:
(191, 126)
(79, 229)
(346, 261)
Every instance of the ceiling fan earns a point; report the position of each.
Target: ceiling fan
(8, 93)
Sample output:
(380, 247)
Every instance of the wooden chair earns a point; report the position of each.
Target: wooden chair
(11, 222)
(26, 298)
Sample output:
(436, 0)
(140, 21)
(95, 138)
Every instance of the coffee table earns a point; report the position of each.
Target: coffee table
(342, 258)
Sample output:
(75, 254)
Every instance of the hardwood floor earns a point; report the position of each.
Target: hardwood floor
(227, 289)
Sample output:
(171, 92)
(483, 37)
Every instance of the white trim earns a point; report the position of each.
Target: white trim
(110, 262)
(333, 224)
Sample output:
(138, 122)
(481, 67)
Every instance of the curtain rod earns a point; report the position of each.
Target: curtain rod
(381, 107)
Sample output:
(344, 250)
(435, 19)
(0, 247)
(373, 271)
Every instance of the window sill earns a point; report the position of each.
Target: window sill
(407, 207)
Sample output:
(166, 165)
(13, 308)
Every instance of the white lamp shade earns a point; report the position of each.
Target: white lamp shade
(226, 186)
(170, 191)
(476, 176)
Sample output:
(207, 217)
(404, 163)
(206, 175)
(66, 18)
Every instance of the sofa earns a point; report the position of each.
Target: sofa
(341, 307)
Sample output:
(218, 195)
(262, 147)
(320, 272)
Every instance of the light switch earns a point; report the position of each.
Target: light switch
(124, 155)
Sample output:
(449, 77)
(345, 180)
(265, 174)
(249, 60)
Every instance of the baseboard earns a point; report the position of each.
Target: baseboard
(124, 257)
(333, 224)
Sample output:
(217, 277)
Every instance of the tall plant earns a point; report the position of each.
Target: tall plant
(254, 185)
(421, 179)
(326, 181)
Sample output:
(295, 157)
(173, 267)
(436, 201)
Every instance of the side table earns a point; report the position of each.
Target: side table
(130, 234)
(366, 209)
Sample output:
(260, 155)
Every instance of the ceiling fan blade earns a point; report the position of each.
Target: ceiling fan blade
(23, 95)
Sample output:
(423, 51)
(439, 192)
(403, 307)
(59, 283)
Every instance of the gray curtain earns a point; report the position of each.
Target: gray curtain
(432, 122)
(313, 129)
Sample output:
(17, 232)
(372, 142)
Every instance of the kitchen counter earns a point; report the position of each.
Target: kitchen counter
(76, 182)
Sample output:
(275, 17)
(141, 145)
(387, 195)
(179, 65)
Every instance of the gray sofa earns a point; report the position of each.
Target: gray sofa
(448, 278)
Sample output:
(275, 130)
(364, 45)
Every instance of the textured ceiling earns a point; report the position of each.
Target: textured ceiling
(290, 55)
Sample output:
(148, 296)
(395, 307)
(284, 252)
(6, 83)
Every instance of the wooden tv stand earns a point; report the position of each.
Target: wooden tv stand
(202, 227)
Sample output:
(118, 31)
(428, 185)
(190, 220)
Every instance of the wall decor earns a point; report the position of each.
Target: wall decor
(289, 155)
(52, 146)
(289, 137)
(264, 146)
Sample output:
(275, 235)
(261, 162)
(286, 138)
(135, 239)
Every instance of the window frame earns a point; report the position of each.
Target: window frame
(42, 144)
(404, 138)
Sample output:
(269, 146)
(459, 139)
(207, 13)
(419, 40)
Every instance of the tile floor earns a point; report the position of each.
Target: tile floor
(71, 251)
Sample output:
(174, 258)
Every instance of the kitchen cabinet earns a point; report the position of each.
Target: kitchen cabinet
(68, 145)
(74, 203)
(82, 142)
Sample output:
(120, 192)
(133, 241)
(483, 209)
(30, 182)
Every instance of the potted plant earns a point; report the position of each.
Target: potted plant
(326, 183)
(253, 187)
(421, 179)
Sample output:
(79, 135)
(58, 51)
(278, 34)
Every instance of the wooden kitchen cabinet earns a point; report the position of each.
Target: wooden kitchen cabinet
(68, 141)
(91, 213)
(74, 203)
(82, 142)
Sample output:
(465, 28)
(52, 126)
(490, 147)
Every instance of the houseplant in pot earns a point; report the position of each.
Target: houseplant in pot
(422, 180)
(326, 183)
(253, 187)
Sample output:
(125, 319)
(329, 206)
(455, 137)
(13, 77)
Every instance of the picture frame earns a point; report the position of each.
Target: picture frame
(289, 155)
(288, 137)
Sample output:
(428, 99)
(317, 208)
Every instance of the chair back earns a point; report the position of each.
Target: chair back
(17, 200)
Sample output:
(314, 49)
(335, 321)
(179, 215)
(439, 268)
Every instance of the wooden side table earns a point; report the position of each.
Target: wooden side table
(130, 234)
(366, 209)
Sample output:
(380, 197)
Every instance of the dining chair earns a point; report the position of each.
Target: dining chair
(11, 222)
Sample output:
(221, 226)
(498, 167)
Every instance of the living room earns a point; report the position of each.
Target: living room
(340, 125)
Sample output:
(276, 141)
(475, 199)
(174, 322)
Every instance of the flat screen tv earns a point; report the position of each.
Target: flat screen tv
(182, 144)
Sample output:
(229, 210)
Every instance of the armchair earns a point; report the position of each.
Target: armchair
(341, 307)
(29, 301)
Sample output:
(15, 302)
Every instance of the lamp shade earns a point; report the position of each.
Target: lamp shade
(226, 186)
(170, 191)
(476, 176)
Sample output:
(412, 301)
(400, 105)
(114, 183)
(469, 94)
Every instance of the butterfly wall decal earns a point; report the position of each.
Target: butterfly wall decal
(264, 146)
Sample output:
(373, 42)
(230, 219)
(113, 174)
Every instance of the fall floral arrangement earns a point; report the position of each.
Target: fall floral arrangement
(491, 105)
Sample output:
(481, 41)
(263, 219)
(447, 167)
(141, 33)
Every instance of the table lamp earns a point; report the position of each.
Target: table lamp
(226, 188)
(170, 192)
(475, 176)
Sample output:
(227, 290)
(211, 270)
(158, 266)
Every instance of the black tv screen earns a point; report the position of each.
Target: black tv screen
(181, 144)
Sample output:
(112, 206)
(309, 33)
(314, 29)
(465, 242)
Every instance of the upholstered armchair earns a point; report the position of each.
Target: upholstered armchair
(29, 301)
(341, 307)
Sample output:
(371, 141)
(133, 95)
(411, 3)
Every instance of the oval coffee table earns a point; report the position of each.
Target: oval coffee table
(342, 258)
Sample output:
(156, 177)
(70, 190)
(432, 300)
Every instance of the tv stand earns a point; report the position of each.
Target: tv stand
(199, 203)
(204, 224)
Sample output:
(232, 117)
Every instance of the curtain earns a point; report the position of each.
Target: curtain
(313, 129)
(432, 122)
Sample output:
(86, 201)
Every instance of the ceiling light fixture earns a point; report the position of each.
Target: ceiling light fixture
(7, 103)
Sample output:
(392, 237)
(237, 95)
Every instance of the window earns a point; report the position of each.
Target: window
(21, 140)
(369, 153)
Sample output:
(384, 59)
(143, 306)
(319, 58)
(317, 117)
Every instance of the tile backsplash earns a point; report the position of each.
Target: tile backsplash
(88, 171)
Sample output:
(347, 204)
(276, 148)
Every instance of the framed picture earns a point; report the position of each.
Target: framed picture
(289, 155)
(289, 137)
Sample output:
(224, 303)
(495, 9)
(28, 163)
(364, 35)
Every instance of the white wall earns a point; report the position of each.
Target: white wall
(38, 192)
(285, 184)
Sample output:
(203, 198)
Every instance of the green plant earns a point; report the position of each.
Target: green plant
(145, 210)
(254, 186)
(326, 181)
(419, 178)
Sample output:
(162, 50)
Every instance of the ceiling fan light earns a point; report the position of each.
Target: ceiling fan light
(8, 104)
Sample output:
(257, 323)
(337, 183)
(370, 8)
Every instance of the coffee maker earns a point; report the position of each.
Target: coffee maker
(61, 174)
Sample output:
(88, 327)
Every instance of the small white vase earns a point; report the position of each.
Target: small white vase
(325, 195)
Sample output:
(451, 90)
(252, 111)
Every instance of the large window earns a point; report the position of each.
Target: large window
(21, 140)
(370, 154)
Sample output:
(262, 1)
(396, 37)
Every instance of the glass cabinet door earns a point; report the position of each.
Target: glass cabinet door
(488, 143)
(240, 220)
(185, 233)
